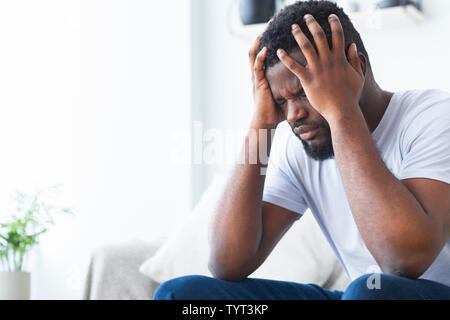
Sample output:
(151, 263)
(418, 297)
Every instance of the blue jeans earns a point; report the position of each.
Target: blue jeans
(367, 287)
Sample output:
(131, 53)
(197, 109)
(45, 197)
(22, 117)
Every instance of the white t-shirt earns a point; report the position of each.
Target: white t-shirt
(413, 139)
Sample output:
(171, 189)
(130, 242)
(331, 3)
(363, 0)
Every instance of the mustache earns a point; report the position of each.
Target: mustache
(307, 123)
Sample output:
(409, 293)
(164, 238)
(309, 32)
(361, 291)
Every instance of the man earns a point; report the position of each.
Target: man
(373, 167)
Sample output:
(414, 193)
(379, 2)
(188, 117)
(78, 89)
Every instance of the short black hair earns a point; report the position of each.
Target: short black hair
(279, 35)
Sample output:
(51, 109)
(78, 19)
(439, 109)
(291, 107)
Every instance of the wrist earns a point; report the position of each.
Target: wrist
(259, 122)
(342, 115)
(258, 142)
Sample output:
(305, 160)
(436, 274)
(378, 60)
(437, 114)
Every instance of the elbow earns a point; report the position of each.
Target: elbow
(411, 259)
(222, 272)
(404, 271)
(413, 266)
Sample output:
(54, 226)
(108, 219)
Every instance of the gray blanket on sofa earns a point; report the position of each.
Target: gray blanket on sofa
(113, 273)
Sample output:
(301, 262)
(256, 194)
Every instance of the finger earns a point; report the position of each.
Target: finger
(252, 55)
(354, 58)
(295, 67)
(259, 65)
(268, 24)
(319, 36)
(254, 50)
(337, 34)
(305, 45)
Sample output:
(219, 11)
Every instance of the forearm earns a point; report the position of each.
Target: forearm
(395, 227)
(237, 226)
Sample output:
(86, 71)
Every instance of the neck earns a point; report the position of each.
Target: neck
(374, 103)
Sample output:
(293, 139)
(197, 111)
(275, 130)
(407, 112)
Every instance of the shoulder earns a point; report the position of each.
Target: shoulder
(424, 118)
(421, 111)
(424, 103)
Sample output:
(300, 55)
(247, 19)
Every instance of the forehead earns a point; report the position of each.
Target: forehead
(281, 78)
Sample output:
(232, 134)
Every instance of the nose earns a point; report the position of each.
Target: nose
(295, 111)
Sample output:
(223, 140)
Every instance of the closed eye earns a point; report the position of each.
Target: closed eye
(280, 102)
(299, 94)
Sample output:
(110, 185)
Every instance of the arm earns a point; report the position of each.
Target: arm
(245, 229)
(404, 224)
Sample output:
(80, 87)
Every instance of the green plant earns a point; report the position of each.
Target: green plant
(32, 218)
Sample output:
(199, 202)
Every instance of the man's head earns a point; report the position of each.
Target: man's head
(307, 124)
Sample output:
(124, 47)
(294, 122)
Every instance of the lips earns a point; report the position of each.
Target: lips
(306, 132)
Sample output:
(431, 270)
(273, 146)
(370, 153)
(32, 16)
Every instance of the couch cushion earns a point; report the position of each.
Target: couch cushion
(303, 255)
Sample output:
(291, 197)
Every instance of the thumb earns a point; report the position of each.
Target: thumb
(354, 58)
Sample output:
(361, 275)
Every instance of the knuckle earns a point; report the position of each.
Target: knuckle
(334, 19)
(296, 31)
(339, 32)
(309, 20)
(292, 65)
(305, 45)
(319, 33)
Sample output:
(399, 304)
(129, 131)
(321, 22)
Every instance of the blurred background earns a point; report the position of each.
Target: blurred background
(109, 98)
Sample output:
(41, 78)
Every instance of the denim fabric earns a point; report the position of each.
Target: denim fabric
(367, 287)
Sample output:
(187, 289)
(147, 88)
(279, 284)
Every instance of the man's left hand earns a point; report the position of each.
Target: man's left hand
(332, 84)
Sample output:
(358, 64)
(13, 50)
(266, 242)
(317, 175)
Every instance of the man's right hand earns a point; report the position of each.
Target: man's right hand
(267, 115)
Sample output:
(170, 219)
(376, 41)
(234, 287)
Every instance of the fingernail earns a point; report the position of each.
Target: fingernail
(308, 16)
(279, 52)
(355, 48)
(295, 27)
(333, 16)
(262, 51)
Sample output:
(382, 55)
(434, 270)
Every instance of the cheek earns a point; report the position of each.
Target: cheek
(283, 108)
(323, 122)
(316, 117)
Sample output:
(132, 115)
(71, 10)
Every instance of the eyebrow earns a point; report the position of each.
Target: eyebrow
(296, 94)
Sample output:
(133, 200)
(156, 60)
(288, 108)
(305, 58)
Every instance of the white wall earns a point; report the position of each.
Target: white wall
(402, 58)
(413, 57)
(90, 94)
(225, 100)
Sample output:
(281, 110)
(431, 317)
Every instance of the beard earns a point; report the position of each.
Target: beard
(321, 152)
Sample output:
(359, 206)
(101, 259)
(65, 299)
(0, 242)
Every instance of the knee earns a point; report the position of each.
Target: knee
(375, 287)
(182, 288)
(368, 287)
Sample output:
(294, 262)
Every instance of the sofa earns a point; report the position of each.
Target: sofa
(133, 270)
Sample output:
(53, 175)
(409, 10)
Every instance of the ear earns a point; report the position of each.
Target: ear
(363, 60)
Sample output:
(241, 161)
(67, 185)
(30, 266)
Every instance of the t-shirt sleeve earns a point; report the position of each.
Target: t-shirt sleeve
(426, 152)
(280, 187)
